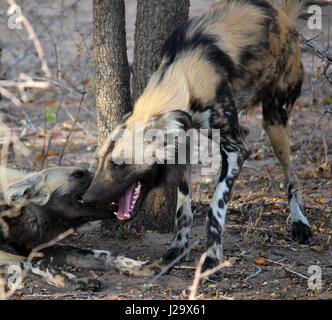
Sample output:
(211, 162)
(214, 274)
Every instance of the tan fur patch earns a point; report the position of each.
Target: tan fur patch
(7, 259)
(8, 175)
(279, 137)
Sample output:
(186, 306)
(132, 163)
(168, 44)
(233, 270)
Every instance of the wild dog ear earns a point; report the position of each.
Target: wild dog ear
(30, 189)
(126, 116)
(172, 129)
(176, 119)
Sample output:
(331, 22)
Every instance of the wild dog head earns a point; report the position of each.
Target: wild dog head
(40, 205)
(137, 156)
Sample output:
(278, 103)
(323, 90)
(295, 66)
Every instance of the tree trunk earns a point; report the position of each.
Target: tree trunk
(113, 98)
(155, 20)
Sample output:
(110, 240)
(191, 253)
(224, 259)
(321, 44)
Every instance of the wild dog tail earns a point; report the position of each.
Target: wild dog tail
(293, 8)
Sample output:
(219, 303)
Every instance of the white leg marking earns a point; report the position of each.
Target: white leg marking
(222, 189)
(181, 236)
(296, 211)
(218, 208)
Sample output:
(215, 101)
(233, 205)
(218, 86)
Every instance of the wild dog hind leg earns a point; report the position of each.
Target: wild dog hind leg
(183, 218)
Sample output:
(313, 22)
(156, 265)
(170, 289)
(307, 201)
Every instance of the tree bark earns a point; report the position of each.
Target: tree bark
(0, 69)
(113, 98)
(155, 20)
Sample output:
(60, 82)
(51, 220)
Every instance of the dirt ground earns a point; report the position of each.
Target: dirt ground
(266, 263)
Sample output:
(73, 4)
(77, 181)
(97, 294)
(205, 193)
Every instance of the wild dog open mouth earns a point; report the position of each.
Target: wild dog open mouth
(128, 202)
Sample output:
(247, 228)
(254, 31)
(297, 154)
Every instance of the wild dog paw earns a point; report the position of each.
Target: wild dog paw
(146, 270)
(172, 254)
(209, 263)
(152, 269)
(85, 283)
(301, 232)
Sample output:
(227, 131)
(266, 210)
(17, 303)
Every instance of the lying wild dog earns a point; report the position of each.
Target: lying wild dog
(238, 54)
(37, 207)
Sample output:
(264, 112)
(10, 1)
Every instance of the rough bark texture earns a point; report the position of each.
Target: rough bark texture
(155, 20)
(1, 78)
(112, 69)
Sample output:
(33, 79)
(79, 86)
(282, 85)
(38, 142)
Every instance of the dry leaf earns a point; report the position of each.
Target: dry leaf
(39, 156)
(324, 168)
(260, 261)
(316, 249)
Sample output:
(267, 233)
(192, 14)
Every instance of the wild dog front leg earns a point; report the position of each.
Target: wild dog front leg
(275, 123)
(101, 260)
(232, 162)
(37, 269)
(300, 227)
(183, 220)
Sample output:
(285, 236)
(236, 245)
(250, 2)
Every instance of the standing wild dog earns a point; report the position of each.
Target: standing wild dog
(35, 208)
(238, 54)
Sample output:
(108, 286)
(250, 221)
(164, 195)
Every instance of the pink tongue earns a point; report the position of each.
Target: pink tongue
(124, 203)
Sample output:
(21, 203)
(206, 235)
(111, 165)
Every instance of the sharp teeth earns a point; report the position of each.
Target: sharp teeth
(116, 213)
(127, 215)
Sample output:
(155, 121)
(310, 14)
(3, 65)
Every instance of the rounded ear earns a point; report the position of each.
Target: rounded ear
(173, 127)
(182, 117)
(176, 119)
(30, 189)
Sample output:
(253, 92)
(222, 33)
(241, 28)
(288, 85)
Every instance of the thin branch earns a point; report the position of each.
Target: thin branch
(27, 264)
(28, 49)
(306, 141)
(71, 129)
(166, 269)
(287, 268)
(259, 270)
(316, 48)
(199, 275)
(35, 251)
(34, 39)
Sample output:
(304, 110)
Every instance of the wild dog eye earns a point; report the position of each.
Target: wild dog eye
(118, 164)
(79, 174)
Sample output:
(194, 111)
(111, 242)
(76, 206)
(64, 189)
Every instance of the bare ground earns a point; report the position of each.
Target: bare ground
(266, 263)
(256, 232)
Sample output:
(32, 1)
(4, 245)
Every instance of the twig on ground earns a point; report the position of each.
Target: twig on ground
(259, 270)
(35, 251)
(166, 269)
(199, 275)
(287, 268)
